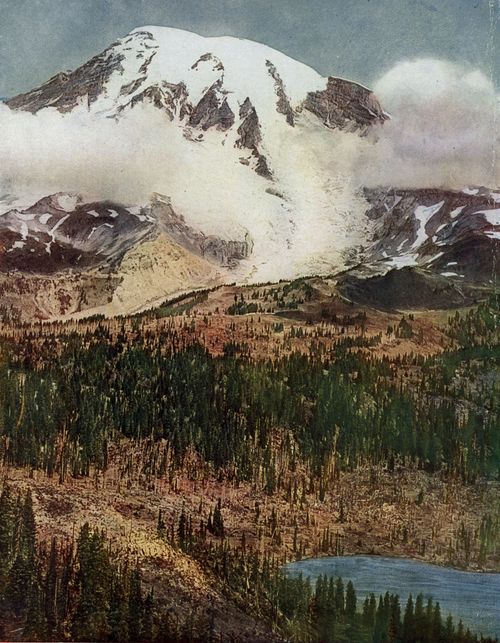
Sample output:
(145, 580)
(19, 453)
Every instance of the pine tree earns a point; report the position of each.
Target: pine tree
(19, 585)
(436, 626)
(93, 582)
(369, 610)
(50, 590)
(160, 525)
(394, 628)
(135, 606)
(7, 522)
(118, 611)
(339, 597)
(350, 601)
(419, 618)
(409, 621)
(35, 626)
(182, 529)
(147, 622)
(449, 628)
(27, 544)
(218, 521)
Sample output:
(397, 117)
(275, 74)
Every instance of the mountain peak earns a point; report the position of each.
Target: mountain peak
(245, 157)
(152, 59)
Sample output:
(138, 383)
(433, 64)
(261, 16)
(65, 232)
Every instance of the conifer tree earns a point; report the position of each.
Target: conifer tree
(50, 590)
(408, 620)
(350, 601)
(135, 606)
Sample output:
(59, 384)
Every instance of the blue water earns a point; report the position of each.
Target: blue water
(473, 597)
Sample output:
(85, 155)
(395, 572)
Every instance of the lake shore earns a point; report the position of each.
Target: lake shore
(471, 596)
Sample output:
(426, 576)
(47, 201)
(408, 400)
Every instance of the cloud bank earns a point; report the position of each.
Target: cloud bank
(77, 152)
(443, 132)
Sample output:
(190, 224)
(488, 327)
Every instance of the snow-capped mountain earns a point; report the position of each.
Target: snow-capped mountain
(208, 81)
(254, 189)
(251, 94)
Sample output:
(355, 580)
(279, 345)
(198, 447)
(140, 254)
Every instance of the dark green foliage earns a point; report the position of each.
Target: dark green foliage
(93, 580)
(477, 327)
(242, 307)
(317, 612)
(62, 594)
(404, 329)
(64, 402)
(216, 525)
(84, 593)
(61, 411)
(350, 601)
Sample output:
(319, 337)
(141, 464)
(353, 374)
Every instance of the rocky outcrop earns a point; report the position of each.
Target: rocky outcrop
(345, 105)
(226, 253)
(250, 137)
(132, 87)
(283, 105)
(169, 97)
(261, 165)
(62, 256)
(60, 233)
(132, 65)
(447, 231)
(249, 131)
(66, 90)
(44, 95)
(212, 110)
(26, 296)
(208, 57)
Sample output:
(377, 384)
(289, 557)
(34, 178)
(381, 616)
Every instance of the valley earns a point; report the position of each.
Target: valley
(295, 496)
(248, 318)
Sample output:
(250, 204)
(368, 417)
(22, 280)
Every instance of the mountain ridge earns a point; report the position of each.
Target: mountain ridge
(251, 189)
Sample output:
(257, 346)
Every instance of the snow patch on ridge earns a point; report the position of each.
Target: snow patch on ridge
(491, 216)
(67, 202)
(423, 215)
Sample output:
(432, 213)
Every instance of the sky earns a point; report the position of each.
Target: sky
(356, 39)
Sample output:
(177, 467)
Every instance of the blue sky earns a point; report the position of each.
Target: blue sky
(357, 39)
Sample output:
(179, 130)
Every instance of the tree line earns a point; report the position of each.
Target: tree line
(60, 408)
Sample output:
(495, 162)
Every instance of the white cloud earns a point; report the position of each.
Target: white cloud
(442, 134)
(444, 129)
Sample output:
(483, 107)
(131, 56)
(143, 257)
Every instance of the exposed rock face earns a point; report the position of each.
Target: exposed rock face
(212, 110)
(209, 57)
(250, 136)
(59, 232)
(283, 103)
(258, 105)
(65, 90)
(169, 97)
(249, 131)
(261, 165)
(452, 233)
(201, 84)
(65, 256)
(43, 96)
(345, 105)
(155, 270)
(226, 253)
(25, 296)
